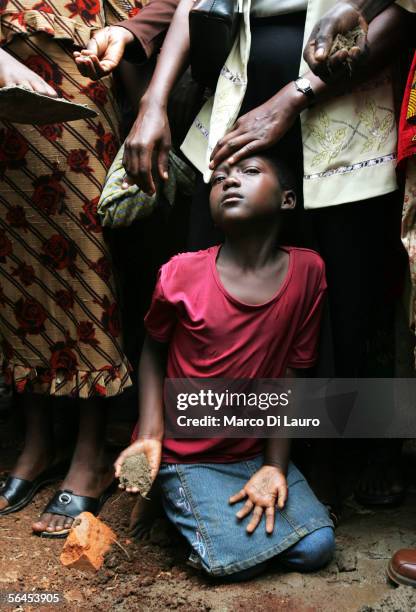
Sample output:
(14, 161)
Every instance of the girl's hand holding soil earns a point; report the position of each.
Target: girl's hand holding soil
(261, 128)
(152, 450)
(148, 144)
(265, 489)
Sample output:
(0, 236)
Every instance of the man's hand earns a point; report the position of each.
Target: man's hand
(266, 489)
(12, 72)
(342, 18)
(150, 447)
(147, 147)
(260, 128)
(104, 51)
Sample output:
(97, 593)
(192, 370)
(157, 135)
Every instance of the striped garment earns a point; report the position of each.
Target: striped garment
(59, 319)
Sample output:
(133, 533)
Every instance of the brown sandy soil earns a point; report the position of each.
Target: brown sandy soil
(153, 575)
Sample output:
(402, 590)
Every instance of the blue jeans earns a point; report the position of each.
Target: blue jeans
(310, 554)
(195, 498)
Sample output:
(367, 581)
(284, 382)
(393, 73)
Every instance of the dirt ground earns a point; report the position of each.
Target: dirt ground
(153, 575)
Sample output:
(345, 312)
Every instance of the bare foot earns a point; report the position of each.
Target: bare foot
(85, 480)
(144, 514)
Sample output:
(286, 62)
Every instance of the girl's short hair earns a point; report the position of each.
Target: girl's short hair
(282, 168)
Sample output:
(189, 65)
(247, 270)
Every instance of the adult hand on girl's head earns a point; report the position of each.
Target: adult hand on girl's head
(260, 128)
(342, 18)
(151, 448)
(104, 51)
(265, 490)
(147, 147)
(12, 72)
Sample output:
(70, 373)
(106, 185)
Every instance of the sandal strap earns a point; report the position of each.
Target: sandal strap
(14, 489)
(66, 503)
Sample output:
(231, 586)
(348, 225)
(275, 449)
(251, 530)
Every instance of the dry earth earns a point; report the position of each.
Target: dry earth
(153, 575)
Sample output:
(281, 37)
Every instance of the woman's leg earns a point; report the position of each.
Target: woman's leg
(90, 472)
(38, 449)
(311, 553)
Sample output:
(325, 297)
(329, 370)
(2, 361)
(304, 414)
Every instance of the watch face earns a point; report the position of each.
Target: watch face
(303, 83)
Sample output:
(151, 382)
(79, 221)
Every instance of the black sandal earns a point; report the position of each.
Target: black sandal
(20, 492)
(66, 503)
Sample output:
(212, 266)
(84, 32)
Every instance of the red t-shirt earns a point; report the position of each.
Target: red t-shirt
(211, 334)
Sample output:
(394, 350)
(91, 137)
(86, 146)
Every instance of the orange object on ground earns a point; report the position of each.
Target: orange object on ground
(87, 544)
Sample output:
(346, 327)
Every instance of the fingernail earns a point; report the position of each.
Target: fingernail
(211, 165)
(125, 185)
(319, 53)
(231, 160)
(165, 175)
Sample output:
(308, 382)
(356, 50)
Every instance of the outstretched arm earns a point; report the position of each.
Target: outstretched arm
(267, 488)
(152, 371)
(277, 450)
(265, 125)
(136, 39)
(343, 17)
(149, 140)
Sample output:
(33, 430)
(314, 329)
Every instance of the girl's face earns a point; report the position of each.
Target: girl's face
(247, 191)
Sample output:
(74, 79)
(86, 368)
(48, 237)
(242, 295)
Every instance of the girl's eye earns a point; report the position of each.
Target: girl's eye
(252, 170)
(217, 179)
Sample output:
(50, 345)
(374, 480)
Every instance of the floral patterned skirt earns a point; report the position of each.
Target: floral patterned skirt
(59, 320)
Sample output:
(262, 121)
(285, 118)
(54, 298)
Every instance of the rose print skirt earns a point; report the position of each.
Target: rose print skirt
(59, 320)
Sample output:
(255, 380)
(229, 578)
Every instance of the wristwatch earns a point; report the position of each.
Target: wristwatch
(304, 86)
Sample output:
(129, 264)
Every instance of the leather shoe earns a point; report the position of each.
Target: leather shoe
(402, 567)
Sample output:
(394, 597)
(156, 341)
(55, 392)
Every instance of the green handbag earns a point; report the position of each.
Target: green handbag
(119, 207)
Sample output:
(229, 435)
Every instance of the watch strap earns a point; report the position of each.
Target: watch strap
(303, 85)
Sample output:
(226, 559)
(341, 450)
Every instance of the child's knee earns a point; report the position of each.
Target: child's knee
(246, 574)
(311, 553)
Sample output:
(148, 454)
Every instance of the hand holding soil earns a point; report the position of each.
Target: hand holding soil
(338, 42)
(346, 50)
(135, 474)
(137, 466)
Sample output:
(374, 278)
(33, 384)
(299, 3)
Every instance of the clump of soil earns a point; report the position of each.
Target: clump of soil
(135, 472)
(346, 42)
(402, 598)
